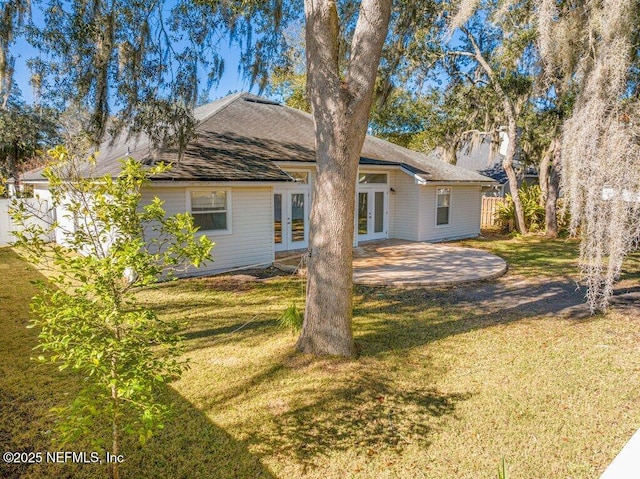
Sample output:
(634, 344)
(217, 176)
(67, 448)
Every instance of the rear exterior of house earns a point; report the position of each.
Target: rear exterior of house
(248, 182)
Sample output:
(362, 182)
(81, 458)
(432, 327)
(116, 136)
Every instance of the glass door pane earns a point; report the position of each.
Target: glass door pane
(363, 213)
(297, 217)
(378, 213)
(277, 218)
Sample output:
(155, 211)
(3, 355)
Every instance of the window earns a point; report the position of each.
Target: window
(443, 206)
(367, 178)
(210, 210)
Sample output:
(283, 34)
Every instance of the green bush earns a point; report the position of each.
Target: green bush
(533, 211)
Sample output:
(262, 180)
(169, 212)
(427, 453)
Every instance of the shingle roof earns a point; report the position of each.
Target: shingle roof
(242, 136)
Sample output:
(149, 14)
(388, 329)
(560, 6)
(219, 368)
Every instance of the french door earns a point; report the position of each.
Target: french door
(290, 219)
(371, 216)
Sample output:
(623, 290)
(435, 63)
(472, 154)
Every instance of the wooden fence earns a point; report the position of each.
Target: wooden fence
(488, 212)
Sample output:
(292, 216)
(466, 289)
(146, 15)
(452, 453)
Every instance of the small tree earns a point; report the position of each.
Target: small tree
(88, 316)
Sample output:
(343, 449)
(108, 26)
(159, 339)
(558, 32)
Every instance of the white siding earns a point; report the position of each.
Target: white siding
(392, 203)
(404, 208)
(60, 214)
(464, 215)
(37, 208)
(5, 223)
(251, 240)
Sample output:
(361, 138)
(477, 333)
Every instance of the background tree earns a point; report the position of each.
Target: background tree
(25, 132)
(601, 140)
(146, 59)
(87, 313)
(14, 15)
(593, 47)
(499, 42)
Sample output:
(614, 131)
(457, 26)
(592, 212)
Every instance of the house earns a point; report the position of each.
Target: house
(247, 179)
(479, 154)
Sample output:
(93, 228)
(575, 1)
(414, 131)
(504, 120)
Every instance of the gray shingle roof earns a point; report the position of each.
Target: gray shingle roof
(240, 137)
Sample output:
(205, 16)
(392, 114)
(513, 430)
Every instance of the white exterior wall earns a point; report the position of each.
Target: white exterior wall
(392, 203)
(464, 213)
(40, 216)
(5, 223)
(42, 193)
(251, 239)
(404, 208)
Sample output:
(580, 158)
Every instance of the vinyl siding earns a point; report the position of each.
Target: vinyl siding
(405, 209)
(393, 175)
(61, 214)
(464, 214)
(250, 242)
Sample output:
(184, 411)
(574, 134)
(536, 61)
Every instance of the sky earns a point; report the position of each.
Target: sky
(231, 80)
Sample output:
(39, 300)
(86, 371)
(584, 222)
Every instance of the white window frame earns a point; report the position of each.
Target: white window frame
(435, 220)
(228, 210)
(373, 172)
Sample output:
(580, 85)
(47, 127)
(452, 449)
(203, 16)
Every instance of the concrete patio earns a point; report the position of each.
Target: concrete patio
(413, 264)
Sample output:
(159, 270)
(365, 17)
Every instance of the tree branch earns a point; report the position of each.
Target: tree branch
(508, 106)
(369, 36)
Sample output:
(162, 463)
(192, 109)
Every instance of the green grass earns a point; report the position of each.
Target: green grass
(532, 255)
(443, 386)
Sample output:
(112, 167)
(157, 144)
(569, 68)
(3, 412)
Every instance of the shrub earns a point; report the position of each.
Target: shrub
(533, 212)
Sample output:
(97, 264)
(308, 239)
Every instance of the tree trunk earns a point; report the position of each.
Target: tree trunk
(511, 115)
(12, 167)
(551, 203)
(114, 472)
(543, 176)
(507, 164)
(327, 319)
(340, 107)
(450, 153)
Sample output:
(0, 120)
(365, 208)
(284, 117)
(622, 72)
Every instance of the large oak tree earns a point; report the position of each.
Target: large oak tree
(128, 53)
(340, 101)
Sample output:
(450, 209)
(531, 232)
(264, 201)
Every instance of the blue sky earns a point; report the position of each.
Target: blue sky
(231, 80)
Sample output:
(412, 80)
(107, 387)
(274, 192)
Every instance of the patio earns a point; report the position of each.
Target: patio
(402, 263)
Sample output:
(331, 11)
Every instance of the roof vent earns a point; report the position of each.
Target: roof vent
(263, 101)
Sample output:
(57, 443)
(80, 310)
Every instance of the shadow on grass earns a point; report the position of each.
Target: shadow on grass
(259, 326)
(410, 318)
(367, 414)
(190, 446)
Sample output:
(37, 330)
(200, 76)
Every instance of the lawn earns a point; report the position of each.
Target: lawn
(448, 381)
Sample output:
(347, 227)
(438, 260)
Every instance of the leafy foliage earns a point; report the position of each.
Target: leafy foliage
(291, 319)
(87, 314)
(24, 133)
(13, 17)
(151, 60)
(533, 210)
